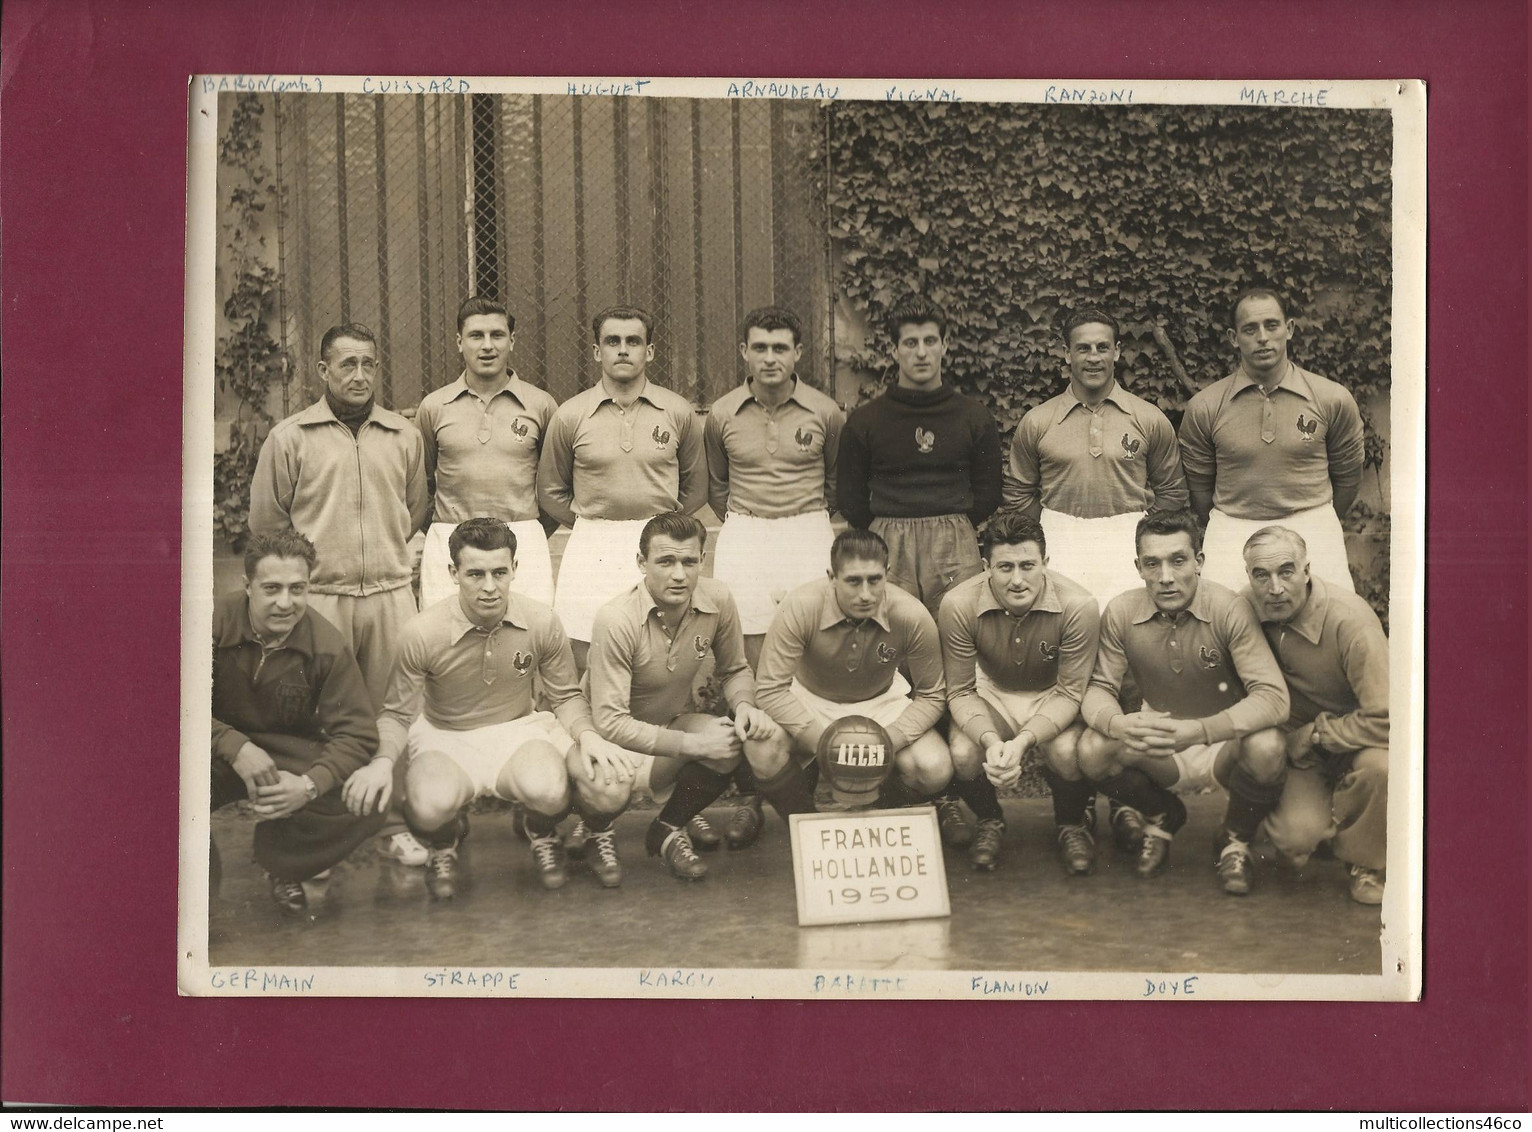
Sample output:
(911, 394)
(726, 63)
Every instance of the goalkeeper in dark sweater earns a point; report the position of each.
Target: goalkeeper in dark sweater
(920, 466)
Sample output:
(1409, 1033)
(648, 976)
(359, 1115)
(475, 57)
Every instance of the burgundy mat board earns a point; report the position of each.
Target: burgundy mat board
(92, 198)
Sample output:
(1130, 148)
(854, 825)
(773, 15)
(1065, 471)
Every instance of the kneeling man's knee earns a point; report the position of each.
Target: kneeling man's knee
(1062, 752)
(1263, 754)
(1093, 754)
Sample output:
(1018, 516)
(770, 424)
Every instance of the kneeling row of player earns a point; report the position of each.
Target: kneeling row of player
(1020, 656)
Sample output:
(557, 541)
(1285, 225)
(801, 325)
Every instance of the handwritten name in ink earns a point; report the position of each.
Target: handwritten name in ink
(1279, 96)
(1088, 94)
(782, 88)
(1170, 988)
(273, 84)
(264, 981)
(985, 985)
(474, 979)
(608, 88)
(692, 980)
(856, 984)
(433, 85)
(921, 94)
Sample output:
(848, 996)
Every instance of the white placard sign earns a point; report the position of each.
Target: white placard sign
(869, 865)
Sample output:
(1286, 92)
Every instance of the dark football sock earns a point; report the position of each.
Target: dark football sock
(791, 790)
(444, 837)
(1070, 798)
(1132, 787)
(1249, 803)
(595, 821)
(696, 788)
(543, 825)
(895, 795)
(744, 779)
(980, 795)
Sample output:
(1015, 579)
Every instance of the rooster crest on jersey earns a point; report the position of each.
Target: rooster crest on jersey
(1307, 428)
(661, 436)
(1049, 651)
(701, 644)
(522, 662)
(1211, 658)
(520, 430)
(887, 654)
(925, 440)
(1130, 447)
(805, 439)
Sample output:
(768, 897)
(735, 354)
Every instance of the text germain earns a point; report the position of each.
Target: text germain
(262, 981)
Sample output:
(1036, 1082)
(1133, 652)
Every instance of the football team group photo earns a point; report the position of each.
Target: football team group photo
(600, 483)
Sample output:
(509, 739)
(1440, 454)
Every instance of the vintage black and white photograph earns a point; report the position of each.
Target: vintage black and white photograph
(805, 539)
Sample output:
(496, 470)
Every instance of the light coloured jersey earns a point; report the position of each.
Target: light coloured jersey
(772, 463)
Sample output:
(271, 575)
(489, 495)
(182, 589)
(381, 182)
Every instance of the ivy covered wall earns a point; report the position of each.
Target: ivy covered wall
(1010, 214)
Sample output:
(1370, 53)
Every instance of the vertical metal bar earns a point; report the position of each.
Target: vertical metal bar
(277, 189)
(422, 214)
(461, 144)
(620, 160)
(700, 343)
(780, 270)
(502, 217)
(539, 248)
(579, 215)
(737, 170)
(831, 286)
(306, 306)
(340, 207)
(659, 245)
(384, 313)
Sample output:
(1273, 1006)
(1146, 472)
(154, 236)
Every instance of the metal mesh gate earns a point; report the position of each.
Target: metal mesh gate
(397, 207)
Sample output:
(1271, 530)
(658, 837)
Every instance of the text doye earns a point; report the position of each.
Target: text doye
(1170, 988)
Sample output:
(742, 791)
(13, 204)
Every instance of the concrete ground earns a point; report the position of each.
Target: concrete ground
(1025, 916)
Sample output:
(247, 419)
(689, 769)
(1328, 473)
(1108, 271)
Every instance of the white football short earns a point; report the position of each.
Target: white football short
(600, 561)
(763, 560)
(884, 709)
(1011, 708)
(1096, 553)
(482, 753)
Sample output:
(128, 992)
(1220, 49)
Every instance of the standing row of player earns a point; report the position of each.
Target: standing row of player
(920, 465)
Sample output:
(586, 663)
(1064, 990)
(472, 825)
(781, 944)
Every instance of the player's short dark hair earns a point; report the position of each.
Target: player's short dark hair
(1256, 293)
(482, 304)
(676, 525)
(288, 544)
(1089, 315)
(771, 318)
(623, 314)
(345, 330)
(1011, 528)
(853, 544)
(915, 309)
(481, 533)
(1168, 523)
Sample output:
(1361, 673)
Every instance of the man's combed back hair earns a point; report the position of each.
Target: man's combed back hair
(481, 304)
(677, 526)
(1257, 293)
(624, 314)
(853, 545)
(288, 544)
(915, 309)
(1012, 528)
(481, 533)
(772, 318)
(345, 330)
(1278, 534)
(1169, 523)
(1087, 316)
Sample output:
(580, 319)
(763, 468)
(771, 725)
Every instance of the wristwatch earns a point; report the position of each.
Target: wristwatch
(310, 790)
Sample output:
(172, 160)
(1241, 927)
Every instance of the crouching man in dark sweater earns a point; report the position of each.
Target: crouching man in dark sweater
(920, 465)
(292, 720)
